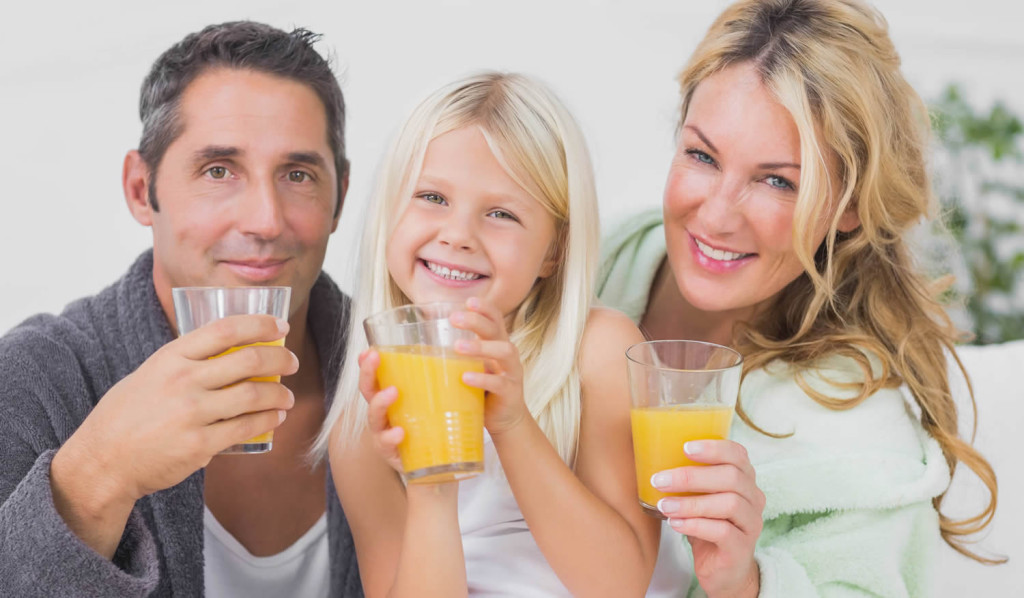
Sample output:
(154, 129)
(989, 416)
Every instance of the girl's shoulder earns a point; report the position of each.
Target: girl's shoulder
(602, 357)
(606, 336)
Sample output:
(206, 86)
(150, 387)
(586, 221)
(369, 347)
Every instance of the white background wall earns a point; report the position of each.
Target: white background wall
(69, 80)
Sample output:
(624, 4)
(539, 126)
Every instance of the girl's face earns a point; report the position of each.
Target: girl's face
(469, 230)
(731, 193)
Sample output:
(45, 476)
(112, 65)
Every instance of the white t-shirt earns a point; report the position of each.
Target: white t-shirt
(302, 570)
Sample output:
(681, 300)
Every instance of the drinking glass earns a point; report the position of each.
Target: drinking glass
(681, 391)
(442, 417)
(195, 307)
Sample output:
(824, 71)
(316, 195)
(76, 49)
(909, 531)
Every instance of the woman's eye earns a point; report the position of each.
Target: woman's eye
(299, 176)
(432, 198)
(700, 156)
(217, 172)
(778, 182)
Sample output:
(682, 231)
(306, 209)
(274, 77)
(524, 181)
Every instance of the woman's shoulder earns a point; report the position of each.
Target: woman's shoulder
(819, 401)
(825, 450)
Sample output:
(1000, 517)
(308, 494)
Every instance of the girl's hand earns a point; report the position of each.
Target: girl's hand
(385, 437)
(724, 523)
(503, 372)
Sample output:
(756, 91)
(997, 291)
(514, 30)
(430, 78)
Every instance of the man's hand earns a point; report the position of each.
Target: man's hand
(166, 420)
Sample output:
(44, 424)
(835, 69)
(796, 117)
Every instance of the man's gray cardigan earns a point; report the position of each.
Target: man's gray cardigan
(53, 371)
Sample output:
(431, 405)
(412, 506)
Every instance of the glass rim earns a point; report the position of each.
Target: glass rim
(409, 306)
(739, 356)
(232, 288)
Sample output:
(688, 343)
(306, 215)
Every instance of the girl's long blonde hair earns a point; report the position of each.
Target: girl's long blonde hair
(540, 146)
(832, 65)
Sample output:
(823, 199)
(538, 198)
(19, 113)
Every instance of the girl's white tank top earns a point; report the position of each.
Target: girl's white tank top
(502, 558)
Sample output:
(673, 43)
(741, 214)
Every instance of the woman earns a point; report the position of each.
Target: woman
(799, 170)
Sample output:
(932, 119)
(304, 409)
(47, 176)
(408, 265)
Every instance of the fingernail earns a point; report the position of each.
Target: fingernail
(693, 447)
(661, 479)
(281, 415)
(282, 325)
(457, 318)
(472, 303)
(468, 377)
(668, 506)
(677, 524)
(462, 345)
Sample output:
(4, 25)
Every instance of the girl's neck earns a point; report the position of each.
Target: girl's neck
(670, 316)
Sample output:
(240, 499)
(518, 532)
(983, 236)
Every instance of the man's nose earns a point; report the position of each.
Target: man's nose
(260, 211)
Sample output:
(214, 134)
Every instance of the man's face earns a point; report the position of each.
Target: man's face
(247, 192)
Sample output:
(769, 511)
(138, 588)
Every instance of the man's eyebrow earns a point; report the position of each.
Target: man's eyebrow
(310, 158)
(215, 152)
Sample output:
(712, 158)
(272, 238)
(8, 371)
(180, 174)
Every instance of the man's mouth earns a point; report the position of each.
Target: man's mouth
(257, 270)
(451, 273)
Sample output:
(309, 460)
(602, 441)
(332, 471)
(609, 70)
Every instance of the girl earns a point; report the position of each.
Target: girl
(487, 198)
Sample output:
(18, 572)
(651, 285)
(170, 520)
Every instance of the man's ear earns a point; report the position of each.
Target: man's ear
(135, 180)
(342, 190)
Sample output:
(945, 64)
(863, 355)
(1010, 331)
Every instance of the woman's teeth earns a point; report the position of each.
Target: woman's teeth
(450, 274)
(718, 254)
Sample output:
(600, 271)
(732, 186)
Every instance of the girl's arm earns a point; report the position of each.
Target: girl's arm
(407, 540)
(589, 525)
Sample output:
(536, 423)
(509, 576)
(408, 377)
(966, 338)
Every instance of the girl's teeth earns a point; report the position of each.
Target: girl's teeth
(451, 274)
(718, 254)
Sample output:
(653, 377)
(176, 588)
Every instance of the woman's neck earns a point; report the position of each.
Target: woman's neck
(670, 316)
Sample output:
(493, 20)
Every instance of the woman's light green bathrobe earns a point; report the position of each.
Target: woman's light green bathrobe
(849, 493)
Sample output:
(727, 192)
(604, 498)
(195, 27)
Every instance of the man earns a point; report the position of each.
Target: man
(107, 421)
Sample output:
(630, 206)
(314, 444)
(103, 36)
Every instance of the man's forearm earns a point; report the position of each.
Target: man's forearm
(91, 506)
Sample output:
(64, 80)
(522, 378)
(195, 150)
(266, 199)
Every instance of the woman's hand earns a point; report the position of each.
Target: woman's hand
(503, 372)
(724, 522)
(385, 437)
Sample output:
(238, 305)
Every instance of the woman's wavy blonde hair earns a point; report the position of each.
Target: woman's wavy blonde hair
(541, 147)
(832, 65)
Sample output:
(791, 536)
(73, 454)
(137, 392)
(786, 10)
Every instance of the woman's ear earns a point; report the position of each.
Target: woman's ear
(850, 220)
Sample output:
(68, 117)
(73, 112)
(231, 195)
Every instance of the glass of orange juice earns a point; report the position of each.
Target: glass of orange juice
(443, 418)
(681, 391)
(197, 306)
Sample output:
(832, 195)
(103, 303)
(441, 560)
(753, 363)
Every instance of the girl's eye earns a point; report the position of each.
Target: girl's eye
(299, 176)
(217, 172)
(432, 198)
(503, 215)
(700, 156)
(778, 182)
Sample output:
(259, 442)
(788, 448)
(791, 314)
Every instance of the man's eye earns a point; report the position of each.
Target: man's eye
(217, 172)
(298, 176)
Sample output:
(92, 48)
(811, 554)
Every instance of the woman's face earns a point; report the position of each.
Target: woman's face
(731, 193)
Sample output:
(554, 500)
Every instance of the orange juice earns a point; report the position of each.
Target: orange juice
(658, 437)
(266, 436)
(442, 417)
